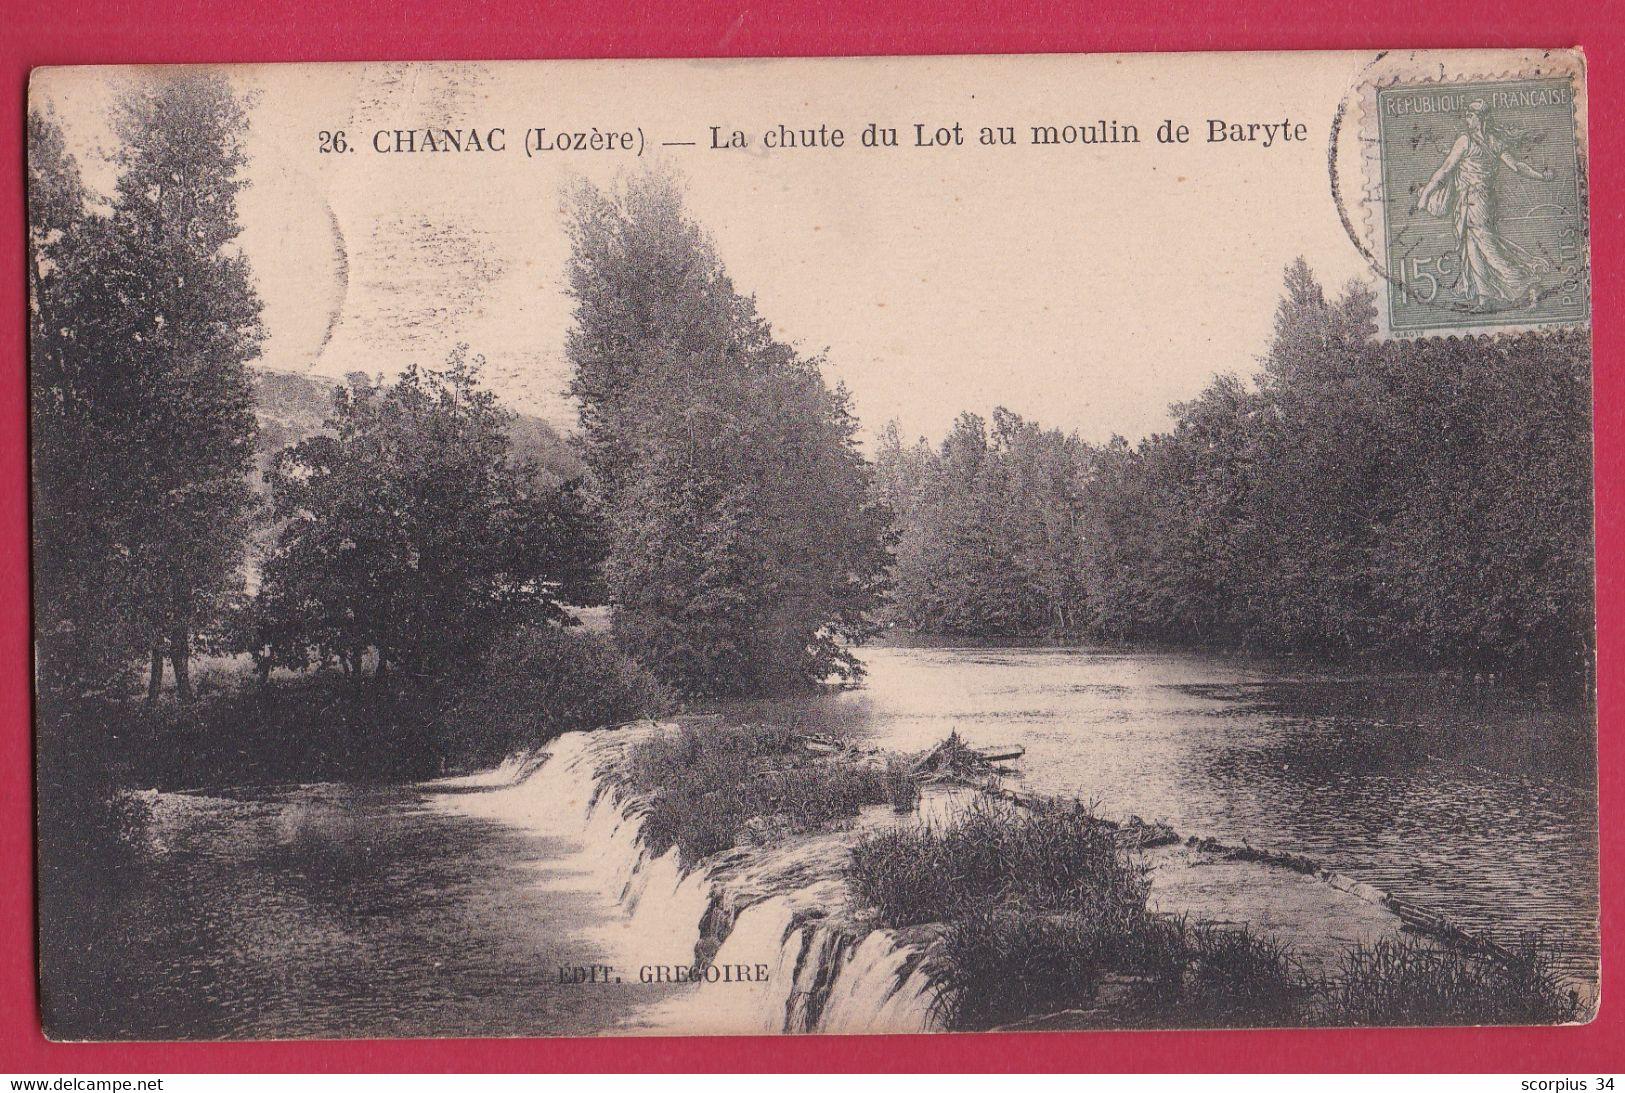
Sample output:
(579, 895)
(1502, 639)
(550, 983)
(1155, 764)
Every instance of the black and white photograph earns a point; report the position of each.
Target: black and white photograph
(841, 545)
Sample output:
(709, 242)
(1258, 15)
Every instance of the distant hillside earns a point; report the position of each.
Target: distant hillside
(290, 407)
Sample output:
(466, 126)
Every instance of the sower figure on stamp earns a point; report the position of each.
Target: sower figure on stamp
(1494, 270)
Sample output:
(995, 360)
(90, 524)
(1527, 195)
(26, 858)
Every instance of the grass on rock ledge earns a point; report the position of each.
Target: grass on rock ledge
(1408, 982)
(708, 786)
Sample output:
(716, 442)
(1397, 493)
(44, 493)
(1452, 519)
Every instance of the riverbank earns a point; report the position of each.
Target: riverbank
(1576, 686)
(523, 686)
(1200, 933)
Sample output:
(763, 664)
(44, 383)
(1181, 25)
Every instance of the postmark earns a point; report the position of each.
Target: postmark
(1475, 196)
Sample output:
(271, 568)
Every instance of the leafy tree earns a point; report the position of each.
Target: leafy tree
(908, 483)
(988, 536)
(1486, 558)
(1320, 475)
(411, 534)
(188, 324)
(144, 321)
(1420, 500)
(745, 548)
(1041, 483)
(85, 589)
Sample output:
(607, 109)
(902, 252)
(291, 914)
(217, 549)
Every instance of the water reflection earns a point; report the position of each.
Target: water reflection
(333, 911)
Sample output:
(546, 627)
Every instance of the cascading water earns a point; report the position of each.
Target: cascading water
(882, 989)
(817, 981)
(818, 977)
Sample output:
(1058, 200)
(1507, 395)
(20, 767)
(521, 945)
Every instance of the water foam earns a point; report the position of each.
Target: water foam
(819, 977)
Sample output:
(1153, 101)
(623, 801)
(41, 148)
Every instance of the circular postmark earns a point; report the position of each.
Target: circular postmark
(1340, 120)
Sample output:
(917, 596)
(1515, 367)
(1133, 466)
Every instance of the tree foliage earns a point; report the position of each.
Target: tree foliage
(745, 549)
(85, 586)
(144, 323)
(988, 539)
(1427, 500)
(410, 535)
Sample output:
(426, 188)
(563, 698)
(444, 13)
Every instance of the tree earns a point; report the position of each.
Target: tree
(1486, 557)
(652, 302)
(85, 587)
(184, 324)
(745, 548)
(143, 322)
(1044, 471)
(909, 484)
(1426, 501)
(1320, 475)
(988, 536)
(411, 534)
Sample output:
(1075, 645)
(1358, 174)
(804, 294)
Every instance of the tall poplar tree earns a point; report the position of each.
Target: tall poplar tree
(86, 631)
(746, 551)
(190, 326)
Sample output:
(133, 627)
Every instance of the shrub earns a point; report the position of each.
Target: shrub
(317, 728)
(536, 682)
(1237, 977)
(1002, 964)
(825, 790)
(530, 685)
(1040, 905)
(1056, 859)
(902, 788)
(706, 785)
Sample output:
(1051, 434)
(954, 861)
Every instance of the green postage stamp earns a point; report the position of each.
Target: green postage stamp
(1482, 196)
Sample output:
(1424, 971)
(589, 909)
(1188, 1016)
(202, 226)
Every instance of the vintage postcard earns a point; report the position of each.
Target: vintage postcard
(874, 545)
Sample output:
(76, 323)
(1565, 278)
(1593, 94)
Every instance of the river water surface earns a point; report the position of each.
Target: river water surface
(337, 910)
(1471, 798)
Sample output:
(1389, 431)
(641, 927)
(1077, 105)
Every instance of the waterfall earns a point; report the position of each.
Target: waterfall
(761, 931)
(881, 989)
(816, 981)
(663, 911)
(818, 977)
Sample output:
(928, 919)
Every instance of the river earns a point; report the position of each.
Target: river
(398, 911)
(1470, 798)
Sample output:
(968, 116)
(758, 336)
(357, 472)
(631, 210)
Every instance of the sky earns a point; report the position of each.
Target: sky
(1085, 286)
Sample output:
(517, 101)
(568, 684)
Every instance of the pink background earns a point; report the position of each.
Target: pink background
(102, 31)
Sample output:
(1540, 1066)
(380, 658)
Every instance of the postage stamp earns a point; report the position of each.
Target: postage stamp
(1481, 191)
